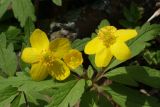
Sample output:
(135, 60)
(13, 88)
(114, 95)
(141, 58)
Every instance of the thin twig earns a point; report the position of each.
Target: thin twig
(156, 14)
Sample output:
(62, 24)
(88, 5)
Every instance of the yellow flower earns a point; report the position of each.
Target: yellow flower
(108, 43)
(73, 59)
(46, 58)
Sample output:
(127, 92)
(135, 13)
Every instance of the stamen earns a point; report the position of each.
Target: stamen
(47, 58)
(107, 35)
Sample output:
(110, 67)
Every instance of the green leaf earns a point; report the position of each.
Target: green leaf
(33, 96)
(127, 97)
(25, 83)
(4, 4)
(130, 75)
(93, 99)
(104, 101)
(89, 99)
(12, 34)
(16, 101)
(28, 29)
(146, 33)
(6, 102)
(15, 81)
(23, 9)
(68, 94)
(103, 23)
(90, 72)
(57, 2)
(3, 41)
(8, 60)
(7, 92)
(38, 85)
(79, 70)
(79, 44)
(92, 60)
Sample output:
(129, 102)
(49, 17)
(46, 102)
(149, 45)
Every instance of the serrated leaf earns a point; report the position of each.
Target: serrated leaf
(38, 86)
(4, 4)
(68, 94)
(14, 81)
(23, 9)
(93, 99)
(16, 101)
(103, 23)
(57, 2)
(90, 72)
(3, 41)
(146, 33)
(104, 101)
(130, 75)
(13, 36)
(24, 82)
(6, 102)
(89, 99)
(80, 43)
(33, 96)
(7, 92)
(127, 97)
(12, 33)
(8, 60)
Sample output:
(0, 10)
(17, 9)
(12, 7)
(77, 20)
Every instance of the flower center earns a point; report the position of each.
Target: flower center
(47, 58)
(107, 35)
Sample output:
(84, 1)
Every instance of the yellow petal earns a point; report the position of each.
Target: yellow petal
(121, 51)
(60, 46)
(125, 35)
(73, 59)
(38, 72)
(93, 46)
(59, 70)
(39, 40)
(30, 55)
(103, 57)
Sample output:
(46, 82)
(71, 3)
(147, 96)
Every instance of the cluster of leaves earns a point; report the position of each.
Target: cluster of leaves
(22, 9)
(132, 16)
(117, 84)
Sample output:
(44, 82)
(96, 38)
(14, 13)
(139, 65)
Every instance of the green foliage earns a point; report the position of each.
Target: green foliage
(25, 85)
(146, 33)
(80, 43)
(92, 60)
(13, 36)
(8, 59)
(68, 94)
(16, 101)
(4, 6)
(127, 97)
(130, 75)
(23, 9)
(152, 57)
(79, 70)
(90, 72)
(103, 23)
(28, 29)
(132, 16)
(7, 92)
(57, 2)
(92, 99)
(86, 87)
